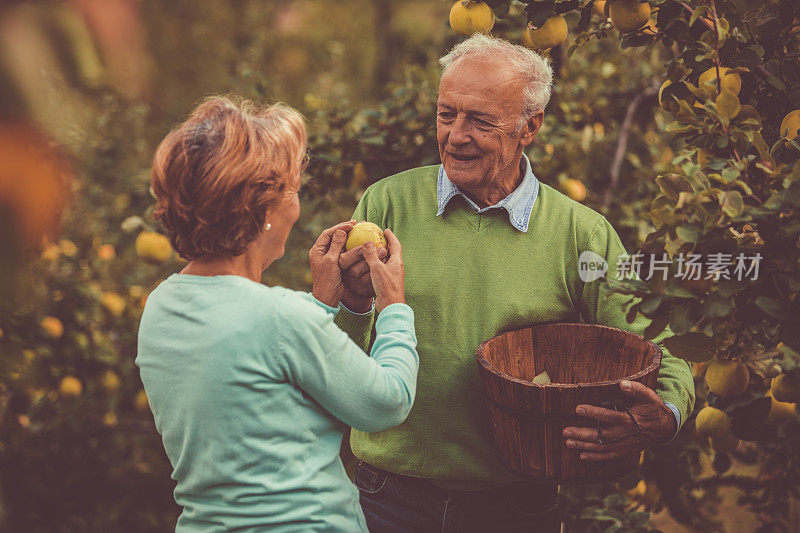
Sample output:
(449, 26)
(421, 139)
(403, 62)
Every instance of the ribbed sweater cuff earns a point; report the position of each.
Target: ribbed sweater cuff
(395, 317)
(354, 324)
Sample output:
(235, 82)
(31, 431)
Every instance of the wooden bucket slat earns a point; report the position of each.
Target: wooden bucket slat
(586, 363)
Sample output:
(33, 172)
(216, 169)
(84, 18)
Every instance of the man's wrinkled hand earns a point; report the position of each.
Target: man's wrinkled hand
(656, 422)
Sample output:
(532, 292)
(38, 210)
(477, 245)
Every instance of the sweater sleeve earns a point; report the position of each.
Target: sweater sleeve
(358, 325)
(602, 306)
(368, 393)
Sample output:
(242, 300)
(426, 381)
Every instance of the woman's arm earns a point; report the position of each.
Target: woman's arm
(368, 393)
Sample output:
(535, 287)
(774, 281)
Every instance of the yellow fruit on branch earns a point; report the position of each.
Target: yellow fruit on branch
(70, 386)
(474, 17)
(599, 8)
(575, 189)
(153, 247)
(790, 125)
(552, 33)
(724, 444)
(699, 369)
(628, 15)
(712, 422)
(727, 378)
(785, 388)
(729, 79)
(106, 252)
(113, 303)
(110, 381)
(780, 411)
(52, 326)
(364, 232)
(140, 402)
(34, 182)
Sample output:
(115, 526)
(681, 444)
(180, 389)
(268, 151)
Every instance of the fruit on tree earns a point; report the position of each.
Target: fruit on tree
(628, 15)
(113, 303)
(110, 380)
(712, 422)
(599, 8)
(153, 247)
(475, 17)
(34, 183)
(364, 232)
(699, 369)
(785, 388)
(552, 33)
(575, 189)
(729, 79)
(727, 378)
(52, 326)
(724, 444)
(70, 386)
(779, 411)
(140, 401)
(645, 493)
(106, 252)
(790, 125)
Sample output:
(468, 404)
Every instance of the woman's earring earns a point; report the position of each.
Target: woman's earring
(268, 226)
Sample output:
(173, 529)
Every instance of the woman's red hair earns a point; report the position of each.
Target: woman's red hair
(216, 175)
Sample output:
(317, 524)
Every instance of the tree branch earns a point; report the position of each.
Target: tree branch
(622, 144)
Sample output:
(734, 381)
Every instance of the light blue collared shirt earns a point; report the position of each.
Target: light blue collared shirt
(518, 204)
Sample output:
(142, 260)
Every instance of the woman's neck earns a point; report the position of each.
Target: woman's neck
(245, 265)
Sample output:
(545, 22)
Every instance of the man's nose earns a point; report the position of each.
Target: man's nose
(459, 133)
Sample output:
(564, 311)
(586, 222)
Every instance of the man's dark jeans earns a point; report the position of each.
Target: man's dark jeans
(400, 504)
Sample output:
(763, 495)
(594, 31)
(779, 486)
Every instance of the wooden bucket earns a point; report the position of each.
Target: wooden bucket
(585, 363)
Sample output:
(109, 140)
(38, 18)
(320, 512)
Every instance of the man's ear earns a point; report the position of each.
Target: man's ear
(531, 128)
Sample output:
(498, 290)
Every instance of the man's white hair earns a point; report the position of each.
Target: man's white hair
(528, 63)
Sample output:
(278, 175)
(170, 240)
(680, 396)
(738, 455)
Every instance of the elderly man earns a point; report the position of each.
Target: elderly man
(487, 248)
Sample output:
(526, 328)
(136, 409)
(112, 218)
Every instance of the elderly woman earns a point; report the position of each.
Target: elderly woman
(252, 386)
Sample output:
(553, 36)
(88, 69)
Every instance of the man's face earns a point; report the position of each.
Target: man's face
(478, 111)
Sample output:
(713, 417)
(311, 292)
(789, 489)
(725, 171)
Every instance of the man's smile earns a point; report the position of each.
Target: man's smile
(464, 158)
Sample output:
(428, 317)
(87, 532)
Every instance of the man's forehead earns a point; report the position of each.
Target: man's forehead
(479, 75)
(481, 85)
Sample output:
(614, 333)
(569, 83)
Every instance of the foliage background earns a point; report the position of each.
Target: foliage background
(106, 79)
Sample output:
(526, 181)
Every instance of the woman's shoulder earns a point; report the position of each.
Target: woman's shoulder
(301, 306)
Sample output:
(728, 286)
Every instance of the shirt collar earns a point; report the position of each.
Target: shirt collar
(518, 204)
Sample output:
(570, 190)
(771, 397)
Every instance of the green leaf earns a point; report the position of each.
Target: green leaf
(699, 12)
(683, 318)
(717, 306)
(772, 307)
(727, 105)
(689, 232)
(651, 303)
(730, 174)
(672, 184)
(693, 346)
(732, 204)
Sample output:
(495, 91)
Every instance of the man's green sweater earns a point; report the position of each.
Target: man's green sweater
(470, 276)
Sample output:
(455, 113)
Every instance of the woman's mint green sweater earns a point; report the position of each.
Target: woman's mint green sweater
(470, 276)
(251, 388)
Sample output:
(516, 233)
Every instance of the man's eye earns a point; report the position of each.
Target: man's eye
(447, 115)
(483, 123)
